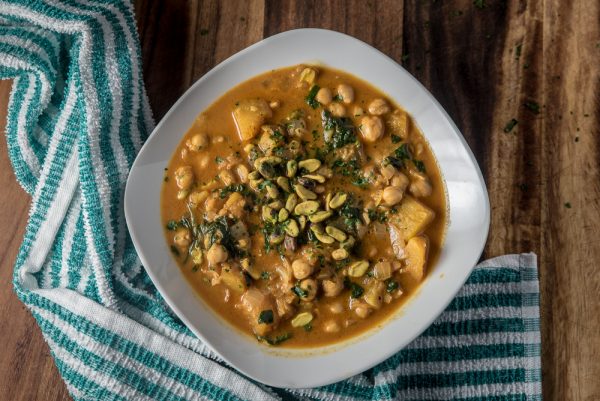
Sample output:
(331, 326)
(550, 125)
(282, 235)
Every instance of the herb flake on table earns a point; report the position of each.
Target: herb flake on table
(532, 106)
(510, 125)
(480, 4)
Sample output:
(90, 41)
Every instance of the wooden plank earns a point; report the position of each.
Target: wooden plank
(570, 201)
(27, 371)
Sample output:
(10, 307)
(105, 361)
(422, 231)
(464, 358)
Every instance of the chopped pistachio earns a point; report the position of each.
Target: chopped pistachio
(306, 208)
(358, 268)
(304, 193)
(284, 184)
(336, 233)
(302, 319)
(315, 177)
(291, 168)
(320, 216)
(283, 215)
(338, 200)
(339, 254)
(291, 228)
(291, 202)
(310, 165)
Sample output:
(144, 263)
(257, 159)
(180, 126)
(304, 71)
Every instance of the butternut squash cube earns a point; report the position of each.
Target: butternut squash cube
(249, 115)
(416, 257)
(233, 278)
(412, 217)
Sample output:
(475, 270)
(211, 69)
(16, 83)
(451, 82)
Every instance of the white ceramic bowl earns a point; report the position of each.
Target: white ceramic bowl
(465, 237)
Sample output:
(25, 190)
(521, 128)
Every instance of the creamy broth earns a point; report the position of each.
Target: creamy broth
(304, 212)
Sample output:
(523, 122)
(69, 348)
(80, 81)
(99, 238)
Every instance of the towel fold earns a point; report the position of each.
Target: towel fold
(78, 115)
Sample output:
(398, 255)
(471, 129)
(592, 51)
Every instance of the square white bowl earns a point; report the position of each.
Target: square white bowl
(469, 212)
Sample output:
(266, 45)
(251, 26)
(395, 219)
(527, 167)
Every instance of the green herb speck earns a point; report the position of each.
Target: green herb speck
(510, 125)
(265, 317)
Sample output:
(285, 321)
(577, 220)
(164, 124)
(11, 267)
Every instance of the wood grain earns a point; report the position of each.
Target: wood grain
(483, 65)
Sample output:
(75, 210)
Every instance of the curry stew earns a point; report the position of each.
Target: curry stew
(304, 206)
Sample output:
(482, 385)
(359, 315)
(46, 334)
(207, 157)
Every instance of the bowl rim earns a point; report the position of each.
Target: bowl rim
(132, 220)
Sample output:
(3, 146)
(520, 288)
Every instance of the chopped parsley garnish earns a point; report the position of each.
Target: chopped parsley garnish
(277, 135)
(532, 106)
(419, 165)
(265, 275)
(360, 181)
(403, 152)
(510, 125)
(341, 130)
(172, 225)
(396, 139)
(351, 215)
(276, 340)
(391, 286)
(356, 290)
(265, 317)
(337, 98)
(310, 98)
(377, 215)
(307, 327)
(241, 188)
(300, 292)
(219, 160)
(219, 230)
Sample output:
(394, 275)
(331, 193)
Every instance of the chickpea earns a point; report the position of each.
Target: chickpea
(378, 107)
(371, 128)
(401, 181)
(337, 109)
(392, 195)
(196, 198)
(184, 176)
(362, 311)
(332, 286)
(310, 286)
(242, 172)
(275, 104)
(216, 254)
(346, 93)
(336, 307)
(357, 111)
(182, 237)
(301, 269)
(324, 96)
(331, 326)
(420, 187)
(388, 171)
(226, 177)
(218, 139)
(197, 142)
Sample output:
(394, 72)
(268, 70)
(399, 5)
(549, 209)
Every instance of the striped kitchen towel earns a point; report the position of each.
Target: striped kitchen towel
(78, 114)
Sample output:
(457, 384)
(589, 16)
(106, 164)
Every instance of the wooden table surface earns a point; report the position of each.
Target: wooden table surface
(487, 62)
